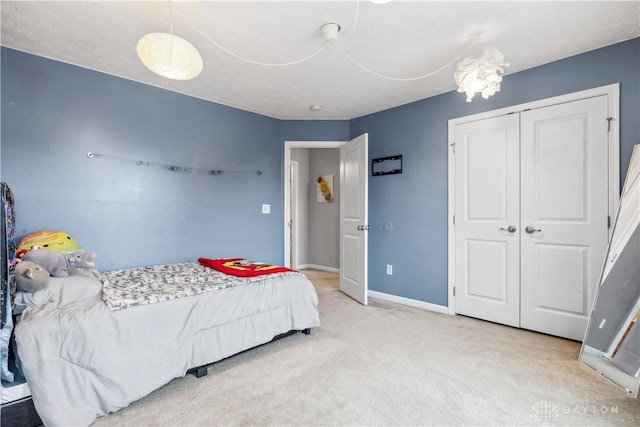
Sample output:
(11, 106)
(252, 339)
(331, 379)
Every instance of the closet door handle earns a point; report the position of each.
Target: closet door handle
(510, 229)
(529, 229)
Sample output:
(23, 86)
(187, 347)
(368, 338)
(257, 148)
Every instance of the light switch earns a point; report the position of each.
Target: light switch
(266, 209)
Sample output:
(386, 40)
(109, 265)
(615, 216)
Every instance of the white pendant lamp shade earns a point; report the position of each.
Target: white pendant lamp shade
(481, 75)
(169, 56)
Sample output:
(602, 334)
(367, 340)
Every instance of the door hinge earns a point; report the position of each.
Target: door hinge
(609, 123)
(609, 221)
(454, 291)
(453, 147)
(454, 220)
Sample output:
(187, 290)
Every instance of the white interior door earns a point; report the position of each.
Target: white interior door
(354, 217)
(564, 214)
(487, 219)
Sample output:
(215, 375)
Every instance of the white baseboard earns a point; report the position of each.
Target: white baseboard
(410, 302)
(318, 267)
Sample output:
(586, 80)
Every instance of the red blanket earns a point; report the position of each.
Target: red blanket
(242, 267)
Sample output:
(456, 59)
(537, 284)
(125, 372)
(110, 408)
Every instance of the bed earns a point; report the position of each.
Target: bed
(88, 348)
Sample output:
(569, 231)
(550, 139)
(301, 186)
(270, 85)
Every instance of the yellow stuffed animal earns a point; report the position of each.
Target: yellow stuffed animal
(56, 241)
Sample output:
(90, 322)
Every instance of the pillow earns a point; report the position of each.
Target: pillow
(79, 285)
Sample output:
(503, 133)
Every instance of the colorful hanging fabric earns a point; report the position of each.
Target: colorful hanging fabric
(7, 281)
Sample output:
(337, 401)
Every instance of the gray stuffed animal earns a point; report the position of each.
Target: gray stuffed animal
(30, 277)
(58, 264)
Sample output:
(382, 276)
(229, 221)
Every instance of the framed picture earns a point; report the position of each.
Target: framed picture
(325, 189)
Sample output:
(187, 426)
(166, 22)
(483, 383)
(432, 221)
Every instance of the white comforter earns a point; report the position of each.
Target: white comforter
(82, 360)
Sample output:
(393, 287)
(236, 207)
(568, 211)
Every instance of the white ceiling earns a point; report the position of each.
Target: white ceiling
(401, 39)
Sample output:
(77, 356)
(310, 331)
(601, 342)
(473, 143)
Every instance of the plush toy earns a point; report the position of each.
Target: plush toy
(57, 241)
(58, 264)
(30, 277)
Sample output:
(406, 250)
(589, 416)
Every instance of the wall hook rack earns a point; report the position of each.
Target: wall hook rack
(172, 168)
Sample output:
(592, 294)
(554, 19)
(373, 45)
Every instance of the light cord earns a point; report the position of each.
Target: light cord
(250, 61)
(345, 54)
(171, 38)
(353, 32)
(407, 79)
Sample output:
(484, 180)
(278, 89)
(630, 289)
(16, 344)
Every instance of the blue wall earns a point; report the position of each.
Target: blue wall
(133, 215)
(54, 113)
(315, 130)
(415, 202)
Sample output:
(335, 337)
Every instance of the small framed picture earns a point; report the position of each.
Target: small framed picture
(325, 189)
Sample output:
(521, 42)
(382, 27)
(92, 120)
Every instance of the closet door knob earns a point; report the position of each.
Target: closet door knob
(531, 230)
(510, 229)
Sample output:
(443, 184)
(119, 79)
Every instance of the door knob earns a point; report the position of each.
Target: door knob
(364, 227)
(510, 229)
(529, 229)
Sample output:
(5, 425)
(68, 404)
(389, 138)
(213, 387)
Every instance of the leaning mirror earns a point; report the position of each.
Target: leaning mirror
(611, 344)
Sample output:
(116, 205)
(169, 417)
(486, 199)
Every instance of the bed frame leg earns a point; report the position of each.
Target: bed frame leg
(306, 331)
(201, 371)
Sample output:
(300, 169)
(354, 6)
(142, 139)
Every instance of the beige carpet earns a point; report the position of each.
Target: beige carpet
(389, 364)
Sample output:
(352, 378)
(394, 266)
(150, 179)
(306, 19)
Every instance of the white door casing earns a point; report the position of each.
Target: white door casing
(488, 219)
(354, 191)
(294, 207)
(286, 188)
(564, 214)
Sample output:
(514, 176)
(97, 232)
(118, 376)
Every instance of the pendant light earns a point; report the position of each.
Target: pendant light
(169, 56)
(481, 75)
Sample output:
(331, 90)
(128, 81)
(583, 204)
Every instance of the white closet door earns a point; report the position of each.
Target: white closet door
(564, 210)
(487, 275)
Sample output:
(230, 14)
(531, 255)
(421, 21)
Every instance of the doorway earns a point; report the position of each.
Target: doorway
(352, 182)
(301, 212)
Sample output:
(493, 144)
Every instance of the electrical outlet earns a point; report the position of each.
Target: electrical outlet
(389, 269)
(266, 209)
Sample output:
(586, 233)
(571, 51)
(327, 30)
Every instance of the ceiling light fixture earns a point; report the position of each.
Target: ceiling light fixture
(330, 31)
(169, 55)
(481, 75)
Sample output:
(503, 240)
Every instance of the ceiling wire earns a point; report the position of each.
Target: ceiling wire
(345, 53)
(353, 32)
(407, 79)
(250, 61)
(171, 38)
(264, 64)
